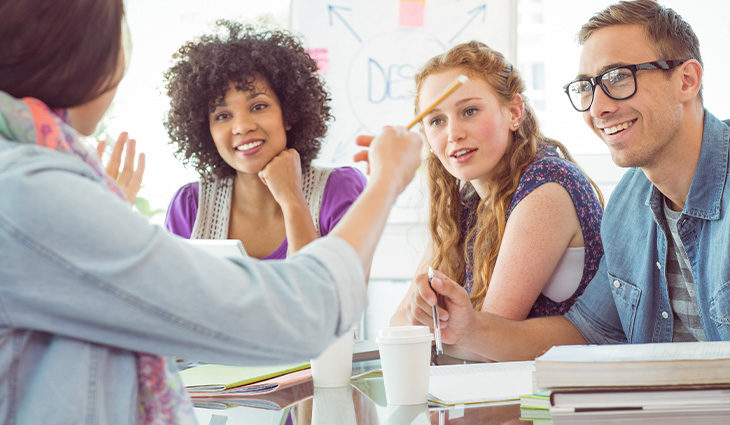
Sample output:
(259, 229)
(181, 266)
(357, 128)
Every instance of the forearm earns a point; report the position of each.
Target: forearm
(148, 291)
(501, 339)
(363, 224)
(453, 352)
(299, 226)
(400, 317)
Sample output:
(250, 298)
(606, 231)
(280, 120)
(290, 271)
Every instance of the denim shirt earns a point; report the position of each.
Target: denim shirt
(85, 282)
(627, 300)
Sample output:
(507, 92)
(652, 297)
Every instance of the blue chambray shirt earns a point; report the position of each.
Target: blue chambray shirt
(627, 300)
(85, 282)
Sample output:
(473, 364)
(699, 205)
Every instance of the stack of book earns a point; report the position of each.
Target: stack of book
(669, 383)
(536, 408)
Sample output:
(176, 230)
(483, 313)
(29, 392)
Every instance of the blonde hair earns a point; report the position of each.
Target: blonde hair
(478, 60)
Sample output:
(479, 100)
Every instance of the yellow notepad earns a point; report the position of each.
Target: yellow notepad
(212, 377)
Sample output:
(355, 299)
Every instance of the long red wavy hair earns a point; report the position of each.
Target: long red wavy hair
(477, 60)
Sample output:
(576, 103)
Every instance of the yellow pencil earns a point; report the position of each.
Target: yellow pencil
(461, 79)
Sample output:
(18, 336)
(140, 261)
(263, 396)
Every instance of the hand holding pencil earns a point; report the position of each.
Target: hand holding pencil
(394, 133)
(436, 321)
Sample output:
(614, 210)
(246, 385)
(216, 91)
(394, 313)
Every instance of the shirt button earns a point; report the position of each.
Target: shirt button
(659, 265)
(616, 284)
(665, 314)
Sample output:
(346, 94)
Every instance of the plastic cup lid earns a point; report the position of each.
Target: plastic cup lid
(404, 335)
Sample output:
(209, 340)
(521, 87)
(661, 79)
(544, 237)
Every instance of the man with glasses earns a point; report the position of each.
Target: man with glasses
(665, 274)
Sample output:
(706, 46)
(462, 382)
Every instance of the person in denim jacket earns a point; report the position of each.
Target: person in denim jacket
(665, 274)
(92, 296)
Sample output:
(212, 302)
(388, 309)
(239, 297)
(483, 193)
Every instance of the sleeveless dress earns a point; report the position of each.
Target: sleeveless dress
(548, 167)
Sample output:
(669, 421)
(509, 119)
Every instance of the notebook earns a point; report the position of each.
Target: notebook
(669, 363)
(271, 401)
(213, 378)
(480, 382)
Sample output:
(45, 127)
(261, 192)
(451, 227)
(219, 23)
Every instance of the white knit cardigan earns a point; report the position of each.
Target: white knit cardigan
(214, 203)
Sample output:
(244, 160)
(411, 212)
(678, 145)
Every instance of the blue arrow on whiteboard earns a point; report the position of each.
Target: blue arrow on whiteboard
(333, 11)
(474, 13)
(344, 147)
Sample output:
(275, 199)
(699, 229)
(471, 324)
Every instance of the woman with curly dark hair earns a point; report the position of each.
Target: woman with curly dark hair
(248, 111)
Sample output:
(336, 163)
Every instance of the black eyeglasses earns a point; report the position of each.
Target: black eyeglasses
(618, 83)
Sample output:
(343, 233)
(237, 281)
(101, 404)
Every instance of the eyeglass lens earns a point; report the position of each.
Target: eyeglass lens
(618, 83)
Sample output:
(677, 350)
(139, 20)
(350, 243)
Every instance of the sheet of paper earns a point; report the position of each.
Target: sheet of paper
(480, 382)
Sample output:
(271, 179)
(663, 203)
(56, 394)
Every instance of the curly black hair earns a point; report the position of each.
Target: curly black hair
(203, 70)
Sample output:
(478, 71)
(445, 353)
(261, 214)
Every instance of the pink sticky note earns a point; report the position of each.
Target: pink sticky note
(411, 13)
(319, 54)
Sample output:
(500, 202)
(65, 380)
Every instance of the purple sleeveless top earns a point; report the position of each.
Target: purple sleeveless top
(343, 186)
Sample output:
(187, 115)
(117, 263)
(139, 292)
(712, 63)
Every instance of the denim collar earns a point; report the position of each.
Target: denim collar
(705, 192)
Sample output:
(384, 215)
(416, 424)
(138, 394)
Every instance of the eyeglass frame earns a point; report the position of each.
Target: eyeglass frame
(660, 65)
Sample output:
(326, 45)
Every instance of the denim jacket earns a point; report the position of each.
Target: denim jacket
(85, 282)
(627, 300)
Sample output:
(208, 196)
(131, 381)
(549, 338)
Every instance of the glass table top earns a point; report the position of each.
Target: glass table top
(361, 403)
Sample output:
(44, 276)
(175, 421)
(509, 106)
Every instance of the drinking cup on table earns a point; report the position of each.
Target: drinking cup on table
(333, 367)
(405, 355)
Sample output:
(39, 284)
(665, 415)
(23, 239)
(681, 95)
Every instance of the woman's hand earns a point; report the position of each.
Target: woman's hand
(130, 179)
(461, 315)
(283, 176)
(418, 304)
(394, 156)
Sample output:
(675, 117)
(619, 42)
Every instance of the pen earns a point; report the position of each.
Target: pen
(461, 79)
(436, 324)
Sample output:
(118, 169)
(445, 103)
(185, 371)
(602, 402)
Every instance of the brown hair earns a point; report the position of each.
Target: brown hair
(672, 37)
(64, 52)
(478, 60)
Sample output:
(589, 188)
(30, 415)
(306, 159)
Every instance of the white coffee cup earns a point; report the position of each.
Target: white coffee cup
(333, 367)
(405, 355)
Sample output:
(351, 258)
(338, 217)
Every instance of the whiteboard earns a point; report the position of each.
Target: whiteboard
(368, 52)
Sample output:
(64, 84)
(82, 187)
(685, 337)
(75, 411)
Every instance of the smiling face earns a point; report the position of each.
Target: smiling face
(470, 130)
(639, 131)
(248, 127)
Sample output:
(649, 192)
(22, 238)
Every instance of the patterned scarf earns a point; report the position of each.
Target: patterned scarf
(162, 397)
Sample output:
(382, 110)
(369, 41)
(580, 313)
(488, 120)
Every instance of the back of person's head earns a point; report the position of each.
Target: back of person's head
(63, 52)
(203, 71)
(671, 36)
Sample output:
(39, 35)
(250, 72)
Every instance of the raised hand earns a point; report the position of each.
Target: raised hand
(394, 155)
(130, 178)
